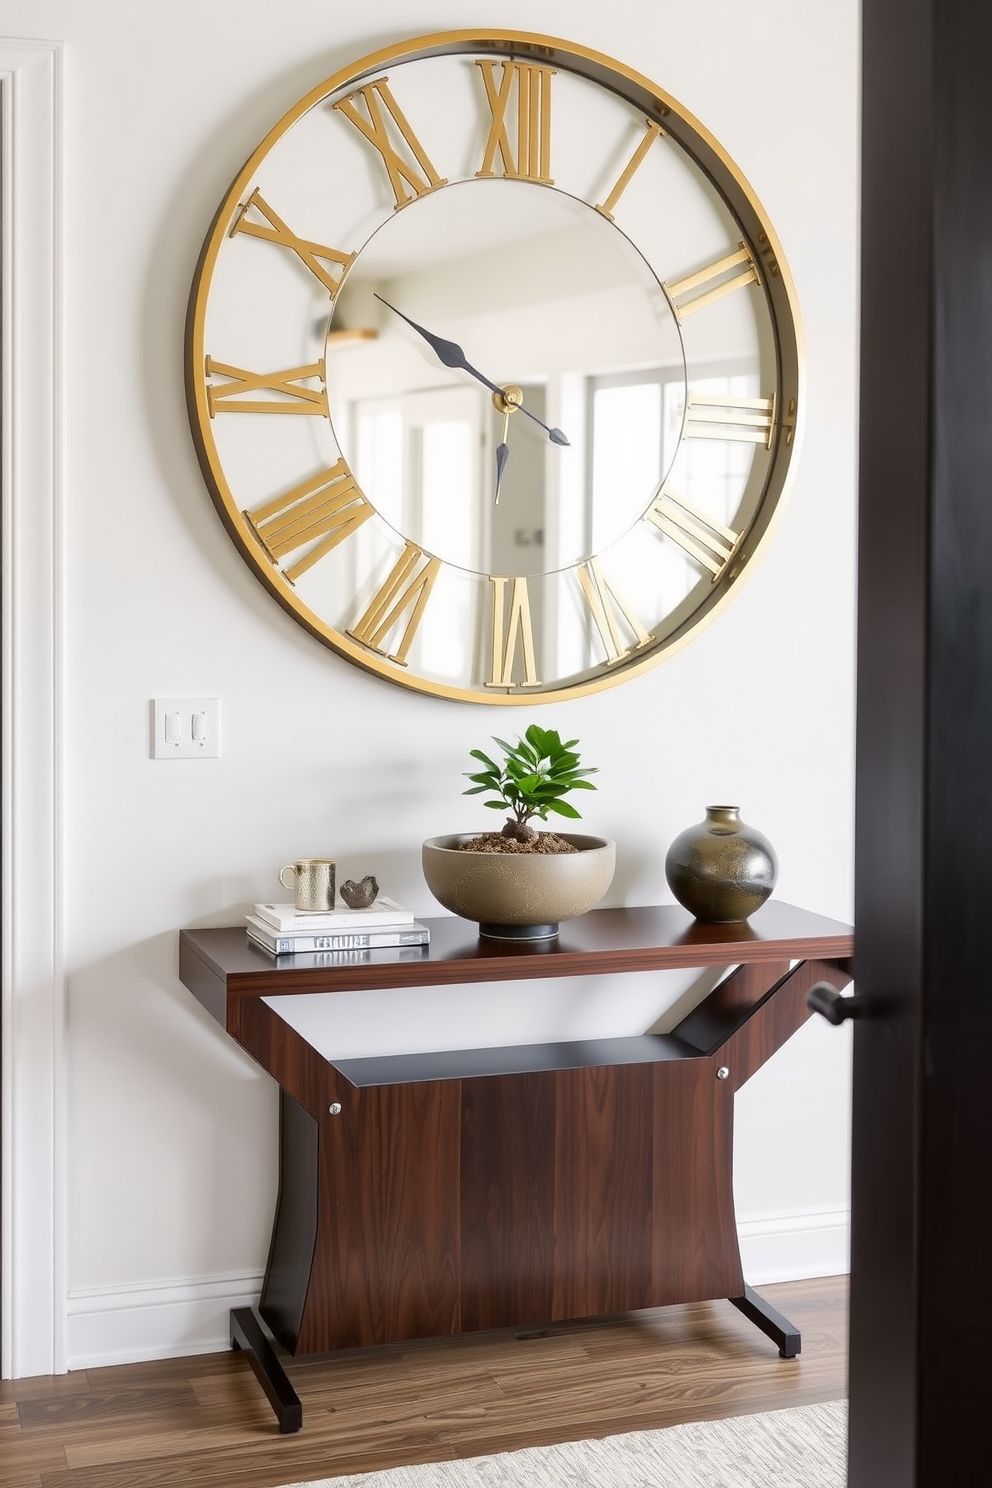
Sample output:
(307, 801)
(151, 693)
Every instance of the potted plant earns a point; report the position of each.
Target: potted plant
(520, 883)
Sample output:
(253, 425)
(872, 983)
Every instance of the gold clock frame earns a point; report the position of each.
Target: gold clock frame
(709, 156)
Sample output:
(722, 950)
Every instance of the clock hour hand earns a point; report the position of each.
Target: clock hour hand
(503, 449)
(502, 455)
(451, 355)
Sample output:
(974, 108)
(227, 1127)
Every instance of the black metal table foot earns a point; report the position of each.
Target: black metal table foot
(247, 1334)
(765, 1317)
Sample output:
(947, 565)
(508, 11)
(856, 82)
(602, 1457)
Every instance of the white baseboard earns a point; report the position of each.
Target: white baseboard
(791, 1247)
(127, 1325)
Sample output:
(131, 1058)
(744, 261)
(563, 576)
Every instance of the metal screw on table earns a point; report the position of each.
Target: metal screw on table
(723, 1073)
(334, 1109)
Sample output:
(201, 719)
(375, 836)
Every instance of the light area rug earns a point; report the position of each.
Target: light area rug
(801, 1447)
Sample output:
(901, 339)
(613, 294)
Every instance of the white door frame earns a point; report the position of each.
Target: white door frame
(33, 1124)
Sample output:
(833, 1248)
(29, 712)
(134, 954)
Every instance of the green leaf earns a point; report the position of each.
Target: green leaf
(563, 808)
(489, 764)
(476, 790)
(529, 783)
(496, 805)
(537, 738)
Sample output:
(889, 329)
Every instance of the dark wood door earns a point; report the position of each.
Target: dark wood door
(921, 1295)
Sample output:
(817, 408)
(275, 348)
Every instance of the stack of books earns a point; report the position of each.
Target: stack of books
(282, 930)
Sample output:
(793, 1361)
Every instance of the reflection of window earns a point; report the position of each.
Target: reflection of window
(416, 459)
(632, 443)
(636, 424)
(447, 496)
(710, 472)
(626, 455)
(379, 462)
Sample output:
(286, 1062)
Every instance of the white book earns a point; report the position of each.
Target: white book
(270, 940)
(288, 919)
(313, 960)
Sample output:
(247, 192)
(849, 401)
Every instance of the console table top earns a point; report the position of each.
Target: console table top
(220, 964)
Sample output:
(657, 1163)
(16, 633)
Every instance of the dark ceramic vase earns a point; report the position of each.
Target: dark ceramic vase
(722, 870)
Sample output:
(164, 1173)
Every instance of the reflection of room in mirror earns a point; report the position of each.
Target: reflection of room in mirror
(540, 291)
(416, 457)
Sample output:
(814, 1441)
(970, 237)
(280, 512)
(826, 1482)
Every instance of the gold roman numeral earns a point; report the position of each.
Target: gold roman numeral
(705, 541)
(609, 610)
(653, 131)
(224, 397)
(532, 87)
(328, 505)
(712, 283)
(274, 230)
(407, 587)
(745, 420)
(512, 630)
(412, 170)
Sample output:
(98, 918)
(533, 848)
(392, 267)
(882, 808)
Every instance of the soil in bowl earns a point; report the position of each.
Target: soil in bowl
(495, 842)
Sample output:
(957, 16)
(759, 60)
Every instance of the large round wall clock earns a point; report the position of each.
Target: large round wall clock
(493, 367)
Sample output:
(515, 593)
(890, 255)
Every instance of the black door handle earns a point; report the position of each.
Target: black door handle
(830, 1004)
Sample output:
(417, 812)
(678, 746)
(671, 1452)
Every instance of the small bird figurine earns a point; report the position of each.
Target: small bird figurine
(359, 895)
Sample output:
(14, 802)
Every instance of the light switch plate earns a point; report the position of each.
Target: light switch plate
(186, 728)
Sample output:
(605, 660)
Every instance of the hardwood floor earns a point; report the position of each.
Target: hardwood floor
(202, 1422)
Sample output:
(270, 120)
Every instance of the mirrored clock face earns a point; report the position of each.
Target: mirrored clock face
(493, 368)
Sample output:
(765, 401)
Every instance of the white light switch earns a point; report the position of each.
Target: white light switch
(186, 728)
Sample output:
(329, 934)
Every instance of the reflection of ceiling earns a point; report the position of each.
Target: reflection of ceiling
(508, 247)
(589, 268)
(473, 218)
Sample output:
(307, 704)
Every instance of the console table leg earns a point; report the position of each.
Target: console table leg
(765, 1317)
(247, 1334)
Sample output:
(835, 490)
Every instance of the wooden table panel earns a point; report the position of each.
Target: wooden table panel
(507, 1186)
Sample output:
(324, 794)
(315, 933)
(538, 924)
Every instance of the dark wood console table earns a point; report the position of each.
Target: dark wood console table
(438, 1193)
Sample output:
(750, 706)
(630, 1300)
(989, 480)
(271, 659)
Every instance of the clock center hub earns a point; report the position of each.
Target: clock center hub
(509, 400)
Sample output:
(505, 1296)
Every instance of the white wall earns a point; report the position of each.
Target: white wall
(172, 1130)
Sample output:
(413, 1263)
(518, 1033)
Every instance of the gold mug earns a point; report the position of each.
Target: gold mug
(312, 883)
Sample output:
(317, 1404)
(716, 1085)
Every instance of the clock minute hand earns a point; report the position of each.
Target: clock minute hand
(555, 435)
(451, 355)
(448, 352)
